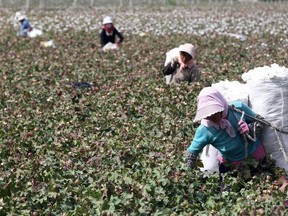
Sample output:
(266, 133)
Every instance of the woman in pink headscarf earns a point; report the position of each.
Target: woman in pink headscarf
(183, 67)
(225, 129)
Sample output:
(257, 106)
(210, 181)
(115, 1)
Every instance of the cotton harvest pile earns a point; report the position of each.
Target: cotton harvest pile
(232, 91)
(268, 92)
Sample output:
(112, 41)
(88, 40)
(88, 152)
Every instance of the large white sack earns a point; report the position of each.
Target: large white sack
(268, 95)
(34, 33)
(169, 56)
(233, 90)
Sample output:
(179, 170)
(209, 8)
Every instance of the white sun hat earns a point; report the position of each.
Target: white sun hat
(188, 48)
(107, 20)
(21, 17)
(17, 14)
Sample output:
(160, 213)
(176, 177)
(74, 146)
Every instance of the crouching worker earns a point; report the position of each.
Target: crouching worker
(108, 35)
(231, 129)
(182, 67)
(25, 26)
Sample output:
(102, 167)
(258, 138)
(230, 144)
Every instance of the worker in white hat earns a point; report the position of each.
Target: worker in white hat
(109, 33)
(183, 67)
(25, 26)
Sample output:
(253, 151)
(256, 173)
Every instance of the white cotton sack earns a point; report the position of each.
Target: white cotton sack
(169, 56)
(109, 46)
(209, 159)
(34, 33)
(268, 93)
(233, 90)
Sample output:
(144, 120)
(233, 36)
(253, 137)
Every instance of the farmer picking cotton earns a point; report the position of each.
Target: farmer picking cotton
(229, 128)
(26, 29)
(25, 26)
(108, 35)
(181, 67)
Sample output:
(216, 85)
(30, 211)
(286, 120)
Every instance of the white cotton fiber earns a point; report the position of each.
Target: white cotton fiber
(232, 90)
(265, 72)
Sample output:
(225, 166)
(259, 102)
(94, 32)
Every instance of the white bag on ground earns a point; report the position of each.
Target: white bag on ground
(49, 43)
(110, 46)
(34, 33)
(169, 56)
(268, 93)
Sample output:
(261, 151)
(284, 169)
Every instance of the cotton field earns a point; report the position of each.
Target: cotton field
(87, 131)
(179, 20)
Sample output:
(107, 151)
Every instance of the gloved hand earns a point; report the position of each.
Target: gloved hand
(243, 127)
(174, 62)
(190, 160)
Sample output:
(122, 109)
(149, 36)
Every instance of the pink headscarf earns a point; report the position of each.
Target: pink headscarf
(211, 101)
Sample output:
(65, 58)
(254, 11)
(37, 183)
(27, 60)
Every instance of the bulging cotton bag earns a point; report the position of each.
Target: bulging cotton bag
(268, 96)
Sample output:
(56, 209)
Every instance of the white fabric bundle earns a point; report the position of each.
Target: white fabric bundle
(232, 91)
(110, 46)
(49, 43)
(268, 93)
(34, 33)
(169, 56)
(209, 159)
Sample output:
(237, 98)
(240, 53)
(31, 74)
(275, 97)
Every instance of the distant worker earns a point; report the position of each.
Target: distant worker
(181, 67)
(26, 29)
(109, 33)
(25, 26)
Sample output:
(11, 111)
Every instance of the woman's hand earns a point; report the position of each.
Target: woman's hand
(243, 127)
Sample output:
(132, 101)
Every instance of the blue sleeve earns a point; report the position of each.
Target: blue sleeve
(201, 139)
(242, 106)
(25, 25)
